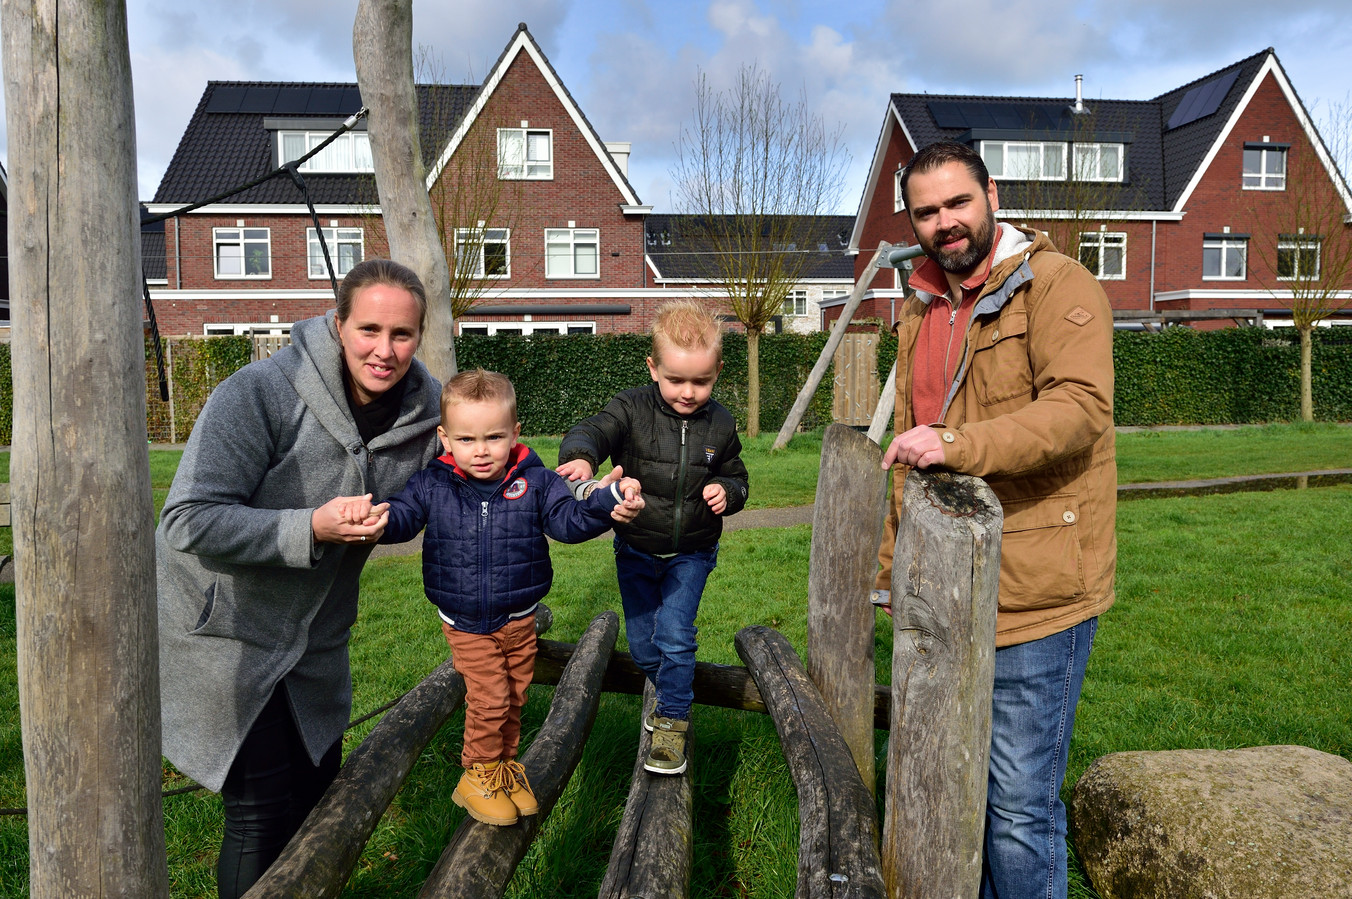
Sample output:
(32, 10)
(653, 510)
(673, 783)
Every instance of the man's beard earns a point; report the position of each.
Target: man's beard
(979, 245)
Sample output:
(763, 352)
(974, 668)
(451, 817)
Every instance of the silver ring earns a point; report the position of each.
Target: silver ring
(363, 538)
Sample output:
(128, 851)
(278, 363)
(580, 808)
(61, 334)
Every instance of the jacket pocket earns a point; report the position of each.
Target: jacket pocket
(1041, 565)
(211, 621)
(1000, 368)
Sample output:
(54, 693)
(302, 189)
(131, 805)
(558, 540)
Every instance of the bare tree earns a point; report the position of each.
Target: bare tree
(382, 48)
(83, 521)
(1309, 259)
(756, 173)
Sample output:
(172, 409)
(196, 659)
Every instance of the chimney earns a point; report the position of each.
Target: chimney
(619, 151)
(1079, 93)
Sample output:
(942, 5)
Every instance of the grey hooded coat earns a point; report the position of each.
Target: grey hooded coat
(246, 597)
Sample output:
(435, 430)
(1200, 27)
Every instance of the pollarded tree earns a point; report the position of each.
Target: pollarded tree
(756, 174)
(1308, 261)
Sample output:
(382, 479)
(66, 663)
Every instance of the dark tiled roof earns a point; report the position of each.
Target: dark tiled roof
(680, 249)
(1160, 161)
(225, 144)
(153, 267)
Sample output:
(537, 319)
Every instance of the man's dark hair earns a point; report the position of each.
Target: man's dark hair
(941, 153)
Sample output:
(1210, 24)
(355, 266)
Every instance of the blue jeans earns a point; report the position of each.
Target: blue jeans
(661, 597)
(1037, 686)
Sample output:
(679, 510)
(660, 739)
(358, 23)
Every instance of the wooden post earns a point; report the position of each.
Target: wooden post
(838, 827)
(83, 520)
(814, 377)
(882, 413)
(945, 580)
(382, 48)
(847, 523)
(480, 858)
(651, 855)
(320, 857)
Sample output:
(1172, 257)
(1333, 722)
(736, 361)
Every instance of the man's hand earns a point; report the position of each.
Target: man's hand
(716, 495)
(919, 447)
(576, 470)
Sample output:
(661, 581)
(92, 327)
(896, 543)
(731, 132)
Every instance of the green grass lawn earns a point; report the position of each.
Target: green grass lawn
(1233, 627)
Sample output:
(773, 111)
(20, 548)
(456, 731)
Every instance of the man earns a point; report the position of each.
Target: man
(1005, 372)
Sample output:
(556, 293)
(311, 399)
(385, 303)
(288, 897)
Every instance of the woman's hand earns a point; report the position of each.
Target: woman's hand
(349, 519)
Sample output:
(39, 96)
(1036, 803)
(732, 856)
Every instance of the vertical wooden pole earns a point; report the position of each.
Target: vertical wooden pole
(945, 581)
(83, 519)
(847, 523)
(382, 49)
(818, 372)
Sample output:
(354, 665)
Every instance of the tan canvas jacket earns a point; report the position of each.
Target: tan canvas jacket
(1031, 412)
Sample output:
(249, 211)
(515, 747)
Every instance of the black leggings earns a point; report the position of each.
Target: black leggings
(271, 787)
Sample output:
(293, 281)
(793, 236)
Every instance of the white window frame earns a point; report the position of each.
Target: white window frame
(1089, 162)
(572, 239)
(349, 152)
(1100, 241)
(1264, 177)
(1046, 150)
(336, 238)
(232, 329)
(795, 302)
(516, 163)
(528, 328)
(1300, 246)
(241, 237)
(898, 202)
(1226, 246)
(482, 237)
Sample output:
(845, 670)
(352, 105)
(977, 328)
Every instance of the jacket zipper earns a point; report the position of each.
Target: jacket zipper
(483, 561)
(680, 493)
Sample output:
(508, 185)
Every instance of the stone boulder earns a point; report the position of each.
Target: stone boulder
(1261, 823)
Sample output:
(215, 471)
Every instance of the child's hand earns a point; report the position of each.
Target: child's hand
(334, 521)
(716, 495)
(633, 501)
(576, 470)
(356, 509)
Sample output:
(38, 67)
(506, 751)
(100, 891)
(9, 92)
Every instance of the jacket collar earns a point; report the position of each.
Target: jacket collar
(522, 457)
(1008, 270)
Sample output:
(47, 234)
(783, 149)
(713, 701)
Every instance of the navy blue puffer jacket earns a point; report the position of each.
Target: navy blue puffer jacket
(485, 561)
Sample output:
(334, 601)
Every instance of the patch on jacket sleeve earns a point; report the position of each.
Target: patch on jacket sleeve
(516, 489)
(709, 452)
(1079, 316)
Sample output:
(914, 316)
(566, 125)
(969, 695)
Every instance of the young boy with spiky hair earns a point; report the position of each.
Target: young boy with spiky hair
(488, 505)
(683, 447)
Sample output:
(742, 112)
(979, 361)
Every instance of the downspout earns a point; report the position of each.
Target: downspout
(1154, 224)
(178, 257)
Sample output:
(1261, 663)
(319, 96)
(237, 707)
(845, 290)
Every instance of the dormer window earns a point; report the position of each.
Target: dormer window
(1025, 160)
(525, 153)
(349, 152)
(1098, 162)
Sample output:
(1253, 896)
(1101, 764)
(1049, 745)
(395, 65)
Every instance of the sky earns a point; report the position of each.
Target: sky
(632, 64)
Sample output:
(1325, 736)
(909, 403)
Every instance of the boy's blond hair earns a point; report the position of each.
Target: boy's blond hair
(686, 325)
(478, 386)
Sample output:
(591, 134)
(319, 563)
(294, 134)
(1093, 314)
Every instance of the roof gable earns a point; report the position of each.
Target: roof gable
(522, 43)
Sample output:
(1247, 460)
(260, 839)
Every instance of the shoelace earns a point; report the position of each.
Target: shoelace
(514, 775)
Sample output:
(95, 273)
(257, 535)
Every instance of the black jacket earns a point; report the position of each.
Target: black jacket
(673, 457)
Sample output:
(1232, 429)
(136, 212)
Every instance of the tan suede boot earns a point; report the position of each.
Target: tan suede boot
(479, 793)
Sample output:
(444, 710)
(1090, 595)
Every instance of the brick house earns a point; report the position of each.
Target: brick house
(1189, 207)
(556, 240)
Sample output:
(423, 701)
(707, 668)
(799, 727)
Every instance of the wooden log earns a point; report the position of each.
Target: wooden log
(382, 49)
(725, 686)
(847, 523)
(882, 413)
(815, 376)
(838, 827)
(945, 580)
(480, 858)
(652, 852)
(83, 519)
(320, 857)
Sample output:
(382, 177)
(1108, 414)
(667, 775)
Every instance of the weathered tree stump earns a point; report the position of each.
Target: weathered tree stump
(320, 857)
(945, 580)
(838, 828)
(651, 856)
(480, 858)
(847, 523)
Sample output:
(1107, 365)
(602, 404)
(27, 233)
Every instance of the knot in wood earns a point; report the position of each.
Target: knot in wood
(952, 494)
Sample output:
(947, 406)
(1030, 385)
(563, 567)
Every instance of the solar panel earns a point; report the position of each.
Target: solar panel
(292, 101)
(258, 99)
(1203, 100)
(979, 114)
(225, 99)
(947, 115)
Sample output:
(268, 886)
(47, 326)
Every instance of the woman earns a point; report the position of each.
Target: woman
(258, 568)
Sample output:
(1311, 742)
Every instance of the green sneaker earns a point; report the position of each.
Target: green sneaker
(667, 755)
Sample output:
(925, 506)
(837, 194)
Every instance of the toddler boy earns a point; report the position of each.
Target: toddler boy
(683, 447)
(487, 505)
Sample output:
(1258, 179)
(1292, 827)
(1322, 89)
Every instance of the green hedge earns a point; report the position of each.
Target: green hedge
(560, 380)
(1180, 376)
